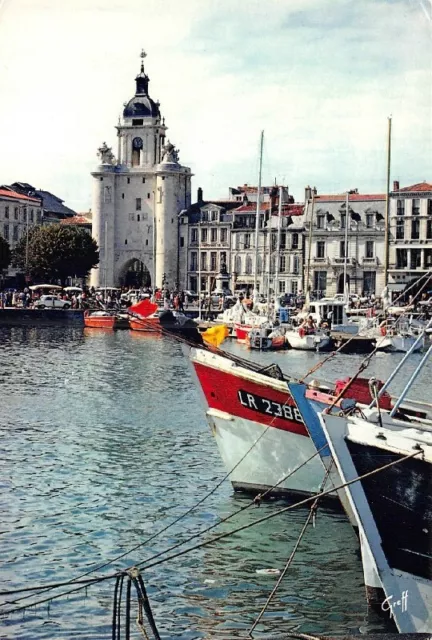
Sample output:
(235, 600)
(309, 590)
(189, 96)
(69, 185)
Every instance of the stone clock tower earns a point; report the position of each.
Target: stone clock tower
(137, 198)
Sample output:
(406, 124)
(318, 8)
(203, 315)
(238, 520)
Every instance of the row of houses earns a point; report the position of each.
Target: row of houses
(321, 242)
(22, 207)
(317, 243)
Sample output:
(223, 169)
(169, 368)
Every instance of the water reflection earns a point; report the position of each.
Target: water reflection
(103, 443)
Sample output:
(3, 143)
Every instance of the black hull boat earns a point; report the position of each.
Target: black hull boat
(393, 508)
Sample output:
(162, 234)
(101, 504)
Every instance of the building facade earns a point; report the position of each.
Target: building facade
(137, 198)
(330, 244)
(217, 238)
(205, 243)
(410, 233)
(18, 213)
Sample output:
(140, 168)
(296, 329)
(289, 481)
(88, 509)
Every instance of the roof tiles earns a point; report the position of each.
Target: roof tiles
(18, 196)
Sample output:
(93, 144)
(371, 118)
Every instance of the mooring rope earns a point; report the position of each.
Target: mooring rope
(311, 516)
(221, 536)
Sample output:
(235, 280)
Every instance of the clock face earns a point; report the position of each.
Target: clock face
(137, 143)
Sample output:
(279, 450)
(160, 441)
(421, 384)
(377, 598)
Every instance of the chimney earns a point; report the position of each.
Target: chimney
(308, 193)
(199, 194)
(315, 191)
(395, 185)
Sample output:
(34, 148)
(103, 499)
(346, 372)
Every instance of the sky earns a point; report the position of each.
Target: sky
(320, 77)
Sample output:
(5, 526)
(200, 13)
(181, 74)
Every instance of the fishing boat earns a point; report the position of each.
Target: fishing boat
(393, 509)
(258, 429)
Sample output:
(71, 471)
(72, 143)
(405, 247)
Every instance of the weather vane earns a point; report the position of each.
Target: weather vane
(142, 56)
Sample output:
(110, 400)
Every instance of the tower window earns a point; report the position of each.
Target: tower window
(138, 217)
(148, 196)
(138, 204)
(147, 242)
(126, 241)
(136, 122)
(101, 179)
(181, 241)
(163, 177)
(122, 196)
(128, 180)
(143, 180)
(172, 220)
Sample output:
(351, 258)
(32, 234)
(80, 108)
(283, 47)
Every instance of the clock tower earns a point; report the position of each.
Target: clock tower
(137, 198)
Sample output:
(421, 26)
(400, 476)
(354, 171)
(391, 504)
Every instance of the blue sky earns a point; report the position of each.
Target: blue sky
(319, 76)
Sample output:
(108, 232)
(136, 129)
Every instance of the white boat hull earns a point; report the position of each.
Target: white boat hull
(398, 343)
(275, 454)
(311, 342)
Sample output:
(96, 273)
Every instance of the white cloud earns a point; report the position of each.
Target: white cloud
(319, 76)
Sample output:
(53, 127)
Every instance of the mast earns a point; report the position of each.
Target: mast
(199, 267)
(269, 236)
(308, 287)
(276, 278)
(257, 221)
(346, 248)
(387, 202)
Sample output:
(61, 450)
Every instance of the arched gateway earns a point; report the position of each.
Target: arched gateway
(134, 273)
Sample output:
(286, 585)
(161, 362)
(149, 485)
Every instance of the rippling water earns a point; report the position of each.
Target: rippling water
(103, 443)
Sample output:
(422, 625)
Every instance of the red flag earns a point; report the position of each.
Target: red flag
(144, 308)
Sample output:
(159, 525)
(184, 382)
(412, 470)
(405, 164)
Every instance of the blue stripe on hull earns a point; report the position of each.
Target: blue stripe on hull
(309, 410)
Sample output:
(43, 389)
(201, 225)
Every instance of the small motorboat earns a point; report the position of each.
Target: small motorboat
(149, 325)
(100, 320)
(266, 339)
(307, 340)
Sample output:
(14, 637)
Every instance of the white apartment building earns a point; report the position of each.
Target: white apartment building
(18, 213)
(360, 246)
(410, 233)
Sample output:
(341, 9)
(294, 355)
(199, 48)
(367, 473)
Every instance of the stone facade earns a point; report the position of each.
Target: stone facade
(365, 247)
(18, 213)
(137, 198)
(410, 233)
(218, 237)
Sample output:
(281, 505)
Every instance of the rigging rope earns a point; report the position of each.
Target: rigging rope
(311, 516)
(221, 536)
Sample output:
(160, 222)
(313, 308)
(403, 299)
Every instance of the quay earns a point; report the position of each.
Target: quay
(11, 316)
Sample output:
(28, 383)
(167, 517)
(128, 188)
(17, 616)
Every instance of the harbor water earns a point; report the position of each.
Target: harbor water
(104, 442)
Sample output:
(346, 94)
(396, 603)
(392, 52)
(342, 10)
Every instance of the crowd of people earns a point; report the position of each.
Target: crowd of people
(89, 297)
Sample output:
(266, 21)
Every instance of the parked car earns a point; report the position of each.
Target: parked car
(192, 296)
(51, 302)
(134, 295)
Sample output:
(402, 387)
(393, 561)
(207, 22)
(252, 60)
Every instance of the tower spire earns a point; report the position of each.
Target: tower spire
(142, 78)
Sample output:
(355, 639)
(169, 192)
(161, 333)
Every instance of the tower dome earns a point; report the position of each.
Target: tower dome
(141, 105)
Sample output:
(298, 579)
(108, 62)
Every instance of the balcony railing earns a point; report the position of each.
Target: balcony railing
(350, 261)
(370, 260)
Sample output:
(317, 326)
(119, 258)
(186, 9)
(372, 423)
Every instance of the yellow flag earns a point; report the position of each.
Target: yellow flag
(215, 335)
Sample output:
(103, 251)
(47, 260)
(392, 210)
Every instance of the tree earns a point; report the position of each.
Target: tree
(56, 252)
(5, 254)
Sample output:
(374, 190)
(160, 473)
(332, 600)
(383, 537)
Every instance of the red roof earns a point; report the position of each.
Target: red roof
(19, 196)
(292, 209)
(421, 186)
(251, 207)
(75, 220)
(353, 197)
